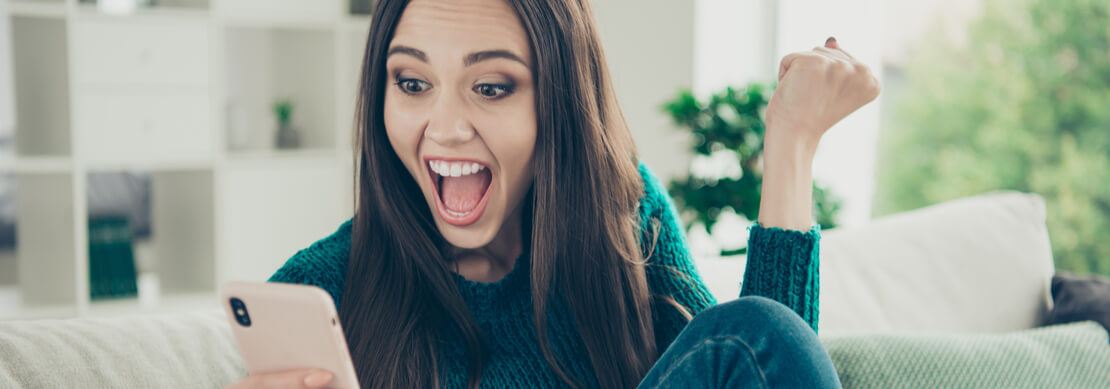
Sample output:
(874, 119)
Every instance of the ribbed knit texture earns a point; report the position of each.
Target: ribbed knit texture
(782, 265)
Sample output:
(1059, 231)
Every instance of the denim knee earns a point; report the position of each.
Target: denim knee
(783, 346)
(749, 313)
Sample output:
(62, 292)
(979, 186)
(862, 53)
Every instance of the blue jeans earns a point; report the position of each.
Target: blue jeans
(753, 342)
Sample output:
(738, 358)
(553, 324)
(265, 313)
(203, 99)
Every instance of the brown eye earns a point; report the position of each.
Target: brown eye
(493, 91)
(412, 86)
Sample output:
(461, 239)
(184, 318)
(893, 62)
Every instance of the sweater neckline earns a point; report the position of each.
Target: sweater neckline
(515, 280)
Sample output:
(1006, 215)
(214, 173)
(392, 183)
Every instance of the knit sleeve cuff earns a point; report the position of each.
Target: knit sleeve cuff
(783, 265)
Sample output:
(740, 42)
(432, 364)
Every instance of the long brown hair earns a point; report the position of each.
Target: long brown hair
(580, 214)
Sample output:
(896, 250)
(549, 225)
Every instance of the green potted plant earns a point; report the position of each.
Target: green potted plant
(729, 127)
(287, 135)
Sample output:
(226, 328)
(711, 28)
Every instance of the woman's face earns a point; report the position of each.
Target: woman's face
(460, 113)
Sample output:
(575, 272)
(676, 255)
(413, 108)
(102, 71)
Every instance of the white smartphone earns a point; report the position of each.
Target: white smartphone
(285, 326)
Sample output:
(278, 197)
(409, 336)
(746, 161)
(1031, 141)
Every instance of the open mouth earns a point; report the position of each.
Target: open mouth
(461, 189)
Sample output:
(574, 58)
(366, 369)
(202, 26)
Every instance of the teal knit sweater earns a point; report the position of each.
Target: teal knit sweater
(782, 265)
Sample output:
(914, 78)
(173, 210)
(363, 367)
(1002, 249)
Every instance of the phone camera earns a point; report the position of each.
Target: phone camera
(239, 309)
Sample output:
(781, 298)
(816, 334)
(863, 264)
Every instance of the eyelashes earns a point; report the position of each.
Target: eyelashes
(489, 91)
(493, 91)
(412, 86)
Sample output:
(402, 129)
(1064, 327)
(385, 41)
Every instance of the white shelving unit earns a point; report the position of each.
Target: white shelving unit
(182, 91)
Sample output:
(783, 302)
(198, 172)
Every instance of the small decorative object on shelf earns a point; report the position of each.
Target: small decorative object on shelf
(362, 7)
(111, 260)
(287, 136)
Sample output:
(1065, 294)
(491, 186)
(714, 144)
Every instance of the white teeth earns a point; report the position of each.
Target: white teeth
(456, 214)
(455, 169)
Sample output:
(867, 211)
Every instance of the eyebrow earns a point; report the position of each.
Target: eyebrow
(407, 51)
(470, 59)
(479, 56)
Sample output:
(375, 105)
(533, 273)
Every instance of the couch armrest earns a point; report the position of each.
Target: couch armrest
(190, 350)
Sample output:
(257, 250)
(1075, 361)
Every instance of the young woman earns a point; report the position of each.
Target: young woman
(506, 235)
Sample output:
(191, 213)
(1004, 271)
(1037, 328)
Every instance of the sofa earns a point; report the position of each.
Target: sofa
(954, 295)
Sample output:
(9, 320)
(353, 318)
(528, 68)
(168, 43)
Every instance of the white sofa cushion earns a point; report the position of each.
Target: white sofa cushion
(978, 264)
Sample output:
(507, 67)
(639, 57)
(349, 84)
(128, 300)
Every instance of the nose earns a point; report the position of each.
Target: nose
(448, 125)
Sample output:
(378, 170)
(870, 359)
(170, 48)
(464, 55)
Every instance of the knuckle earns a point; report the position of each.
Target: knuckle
(811, 59)
(868, 87)
(865, 78)
(875, 87)
(862, 70)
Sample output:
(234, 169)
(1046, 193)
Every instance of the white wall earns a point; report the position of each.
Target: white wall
(734, 44)
(649, 46)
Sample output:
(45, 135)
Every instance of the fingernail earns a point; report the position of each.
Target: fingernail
(318, 379)
(831, 39)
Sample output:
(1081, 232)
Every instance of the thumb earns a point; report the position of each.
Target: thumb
(831, 43)
(317, 378)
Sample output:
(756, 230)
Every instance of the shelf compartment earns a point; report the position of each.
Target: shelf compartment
(171, 215)
(267, 64)
(156, 128)
(150, 52)
(39, 245)
(41, 79)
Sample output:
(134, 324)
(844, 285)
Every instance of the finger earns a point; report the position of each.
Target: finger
(318, 379)
(846, 53)
(832, 44)
(834, 53)
(786, 62)
(291, 379)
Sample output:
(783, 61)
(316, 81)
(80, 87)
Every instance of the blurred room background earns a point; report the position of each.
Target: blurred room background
(152, 149)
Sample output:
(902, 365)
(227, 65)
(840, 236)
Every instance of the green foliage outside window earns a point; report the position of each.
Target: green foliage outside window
(1023, 104)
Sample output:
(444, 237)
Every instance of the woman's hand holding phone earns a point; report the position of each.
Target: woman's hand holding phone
(288, 335)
